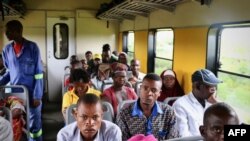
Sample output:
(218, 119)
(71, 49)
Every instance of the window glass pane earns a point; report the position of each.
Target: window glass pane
(60, 38)
(164, 43)
(235, 91)
(130, 57)
(235, 50)
(131, 41)
(162, 64)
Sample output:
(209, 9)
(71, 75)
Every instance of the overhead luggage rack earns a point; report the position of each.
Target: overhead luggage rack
(128, 9)
(8, 11)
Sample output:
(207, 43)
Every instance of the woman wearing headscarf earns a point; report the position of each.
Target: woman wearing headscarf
(170, 85)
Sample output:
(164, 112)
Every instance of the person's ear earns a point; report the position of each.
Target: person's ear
(202, 130)
(198, 87)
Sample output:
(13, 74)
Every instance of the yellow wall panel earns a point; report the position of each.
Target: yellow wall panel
(141, 47)
(189, 53)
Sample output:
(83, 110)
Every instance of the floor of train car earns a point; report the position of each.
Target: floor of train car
(52, 120)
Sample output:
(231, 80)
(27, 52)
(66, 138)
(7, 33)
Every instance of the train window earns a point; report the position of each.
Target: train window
(163, 48)
(60, 38)
(128, 45)
(234, 69)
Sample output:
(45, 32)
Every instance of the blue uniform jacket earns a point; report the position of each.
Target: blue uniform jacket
(25, 69)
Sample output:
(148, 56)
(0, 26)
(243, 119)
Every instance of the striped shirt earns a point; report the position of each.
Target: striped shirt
(161, 123)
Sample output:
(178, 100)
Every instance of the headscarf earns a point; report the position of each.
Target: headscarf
(176, 90)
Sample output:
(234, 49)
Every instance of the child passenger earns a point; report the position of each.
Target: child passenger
(215, 117)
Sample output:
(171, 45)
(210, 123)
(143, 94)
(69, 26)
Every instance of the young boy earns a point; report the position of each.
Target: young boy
(215, 117)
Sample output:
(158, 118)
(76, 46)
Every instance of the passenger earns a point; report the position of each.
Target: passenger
(23, 61)
(80, 80)
(102, 75)
(6, 133)
(89, 124)
(147, 116)
(215, 117)
(76, 64)
(190, 108)
(93, 69)
(18, 113)
(88, 56)
(171, 86)
(136, 74)
(2, 68)
(73, 58)
(118, 92)
(107, 57)
(84, 64)
(123, 58)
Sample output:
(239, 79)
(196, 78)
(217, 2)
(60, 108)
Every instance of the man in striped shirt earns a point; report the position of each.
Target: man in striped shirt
(146, 115)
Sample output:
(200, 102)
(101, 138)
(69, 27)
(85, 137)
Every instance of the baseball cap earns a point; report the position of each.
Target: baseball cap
(205, 76)
(97, 56)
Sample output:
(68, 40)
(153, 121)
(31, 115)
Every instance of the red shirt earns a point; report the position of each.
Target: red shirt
(17, 48)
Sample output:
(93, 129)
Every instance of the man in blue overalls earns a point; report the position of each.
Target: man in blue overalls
(24, 67)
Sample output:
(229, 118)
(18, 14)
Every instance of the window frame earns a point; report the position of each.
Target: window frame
(125, 43)
(55, 42)
(152, 49)
(213, 60)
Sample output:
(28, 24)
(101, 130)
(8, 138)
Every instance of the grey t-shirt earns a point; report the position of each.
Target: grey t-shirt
(108, 132)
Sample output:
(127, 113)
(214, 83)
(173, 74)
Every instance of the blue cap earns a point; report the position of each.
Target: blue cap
(205, 76)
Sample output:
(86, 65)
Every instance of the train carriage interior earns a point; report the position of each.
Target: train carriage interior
(183, 35)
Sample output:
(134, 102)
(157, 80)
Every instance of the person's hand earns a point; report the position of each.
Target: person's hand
(36, 102)
(16, 113)
(212, 99)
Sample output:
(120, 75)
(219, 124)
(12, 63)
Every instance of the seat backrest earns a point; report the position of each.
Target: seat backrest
(191, 138)
(7, 113)
(124, 103)
(64, 88)
(137, 87)
(106, 85)
(70, 114)
(21, 92)
(171, 100)
(108, 112)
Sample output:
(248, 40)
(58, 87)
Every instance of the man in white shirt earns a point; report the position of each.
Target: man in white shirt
(190, 108)
(89, 125)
